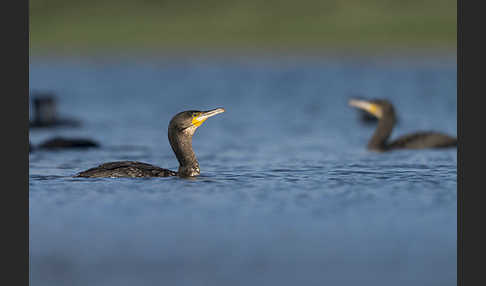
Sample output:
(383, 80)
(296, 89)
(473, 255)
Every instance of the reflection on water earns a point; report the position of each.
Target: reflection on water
(287, 195)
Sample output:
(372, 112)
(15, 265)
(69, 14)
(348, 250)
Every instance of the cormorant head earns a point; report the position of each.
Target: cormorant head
(189, 121)
(181, 128)
(377, 107)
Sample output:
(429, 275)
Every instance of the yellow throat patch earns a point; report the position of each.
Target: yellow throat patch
(375, 110)
(196, 121)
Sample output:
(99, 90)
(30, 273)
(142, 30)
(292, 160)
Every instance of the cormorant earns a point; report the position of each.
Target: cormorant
(384, 111)
(45, 112)
(67, 143)
(181, 129)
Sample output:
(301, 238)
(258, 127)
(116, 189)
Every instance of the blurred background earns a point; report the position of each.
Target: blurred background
(69, 26)
(288, 192)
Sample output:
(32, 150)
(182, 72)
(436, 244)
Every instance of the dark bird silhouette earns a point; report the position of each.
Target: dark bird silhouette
(45, 112)
(57, 143)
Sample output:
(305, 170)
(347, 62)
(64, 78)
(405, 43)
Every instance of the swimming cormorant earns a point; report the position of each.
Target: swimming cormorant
(67, 143)
(384, 111)
(45, 112)
(181, 129)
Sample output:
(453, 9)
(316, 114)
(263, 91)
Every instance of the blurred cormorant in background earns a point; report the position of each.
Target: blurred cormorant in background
(384, 111)
(45, 112)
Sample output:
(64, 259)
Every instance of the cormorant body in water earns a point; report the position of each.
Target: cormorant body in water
(45, 113)
(385, 113)
(181, 129)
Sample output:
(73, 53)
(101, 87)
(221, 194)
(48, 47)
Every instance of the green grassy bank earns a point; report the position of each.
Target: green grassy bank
(64, 26)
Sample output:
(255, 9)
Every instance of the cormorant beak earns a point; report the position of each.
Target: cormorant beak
(203, 115)
(372, 108)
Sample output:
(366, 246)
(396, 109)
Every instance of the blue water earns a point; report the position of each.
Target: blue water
(288, 193)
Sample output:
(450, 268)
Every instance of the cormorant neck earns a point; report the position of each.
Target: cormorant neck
(379, 139)
(181, 143)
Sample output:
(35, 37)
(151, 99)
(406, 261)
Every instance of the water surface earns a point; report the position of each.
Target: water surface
(288, 193)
